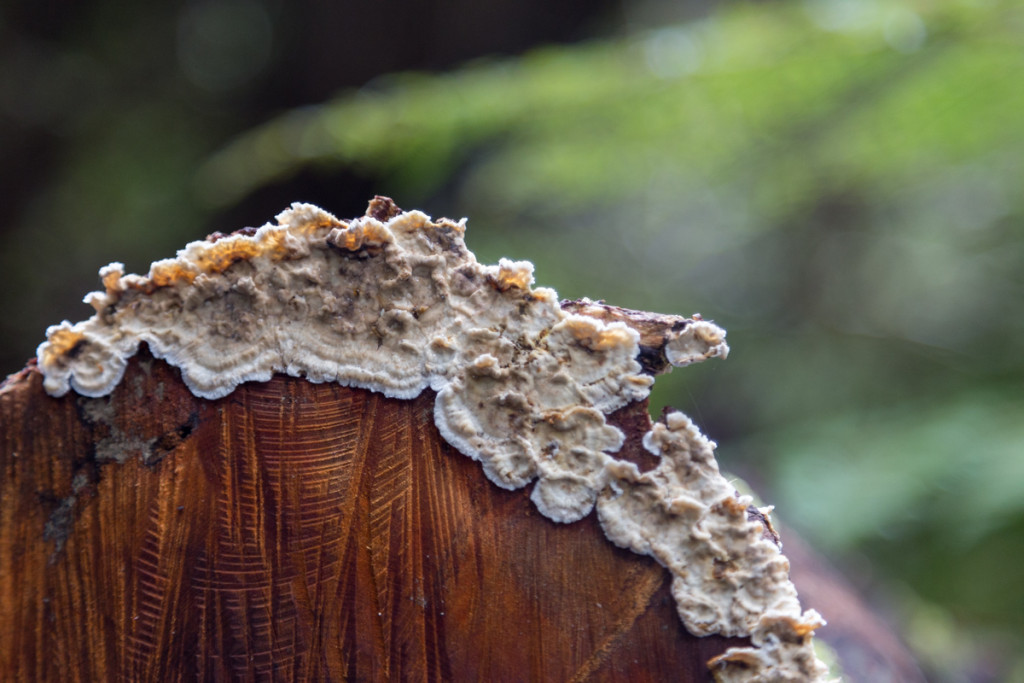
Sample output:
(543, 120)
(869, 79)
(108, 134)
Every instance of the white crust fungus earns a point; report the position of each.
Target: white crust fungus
(727, 576)
(395, 303)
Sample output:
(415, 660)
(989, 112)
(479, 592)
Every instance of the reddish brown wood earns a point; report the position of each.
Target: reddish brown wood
(293, 531)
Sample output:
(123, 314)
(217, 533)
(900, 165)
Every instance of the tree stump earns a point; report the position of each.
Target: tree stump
(295, 531)
(293, 500)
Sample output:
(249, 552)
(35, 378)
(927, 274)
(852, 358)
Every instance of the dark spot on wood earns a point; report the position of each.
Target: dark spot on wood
(382, 208)
(167, 442)
(769, 533)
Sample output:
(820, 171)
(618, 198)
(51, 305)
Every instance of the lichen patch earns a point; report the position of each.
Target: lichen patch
(394, 302)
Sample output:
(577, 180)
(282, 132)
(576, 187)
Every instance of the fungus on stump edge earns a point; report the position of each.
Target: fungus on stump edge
(292, 504)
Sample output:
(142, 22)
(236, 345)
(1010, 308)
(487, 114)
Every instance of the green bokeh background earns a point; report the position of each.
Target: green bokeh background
(837, 183)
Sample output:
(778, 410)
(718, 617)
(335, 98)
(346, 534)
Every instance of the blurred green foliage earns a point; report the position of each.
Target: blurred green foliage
(836, 183)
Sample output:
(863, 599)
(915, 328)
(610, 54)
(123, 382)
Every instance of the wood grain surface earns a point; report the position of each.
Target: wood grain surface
(300, 532)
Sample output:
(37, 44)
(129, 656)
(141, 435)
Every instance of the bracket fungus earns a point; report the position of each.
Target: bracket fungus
(394, 302)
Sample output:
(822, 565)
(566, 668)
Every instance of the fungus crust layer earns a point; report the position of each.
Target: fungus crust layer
(394, 302)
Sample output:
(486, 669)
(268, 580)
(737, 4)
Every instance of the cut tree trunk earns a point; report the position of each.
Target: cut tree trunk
(294, 531)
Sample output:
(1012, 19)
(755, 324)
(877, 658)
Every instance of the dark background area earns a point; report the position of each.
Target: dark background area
(76, 73)
(836, 183)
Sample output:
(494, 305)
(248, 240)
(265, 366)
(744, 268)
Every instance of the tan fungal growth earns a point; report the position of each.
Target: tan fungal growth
(727, 577)
(394, 302)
